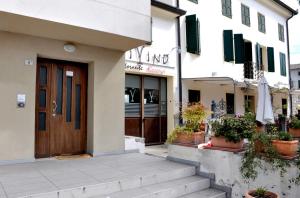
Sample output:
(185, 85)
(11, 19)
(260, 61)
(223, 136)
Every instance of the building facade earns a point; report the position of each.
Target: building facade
(295, 88)
(151, 79)
(224, 56)
(62, 77)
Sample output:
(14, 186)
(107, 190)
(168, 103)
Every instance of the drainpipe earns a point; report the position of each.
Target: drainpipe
(289, 62)
(179, 65)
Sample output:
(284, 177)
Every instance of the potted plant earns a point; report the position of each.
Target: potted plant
(261, 193)
(294, 127)
(285, 145)
(229, 132)
(192, 132)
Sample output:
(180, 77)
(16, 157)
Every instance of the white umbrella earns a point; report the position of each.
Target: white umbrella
(264, 112)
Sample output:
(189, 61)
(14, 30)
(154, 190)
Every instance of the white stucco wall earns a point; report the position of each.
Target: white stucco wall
(212, 24)
(226, 167)
(98, 15)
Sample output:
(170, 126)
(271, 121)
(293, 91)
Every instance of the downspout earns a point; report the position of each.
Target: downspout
(289, 62)
(179, 65)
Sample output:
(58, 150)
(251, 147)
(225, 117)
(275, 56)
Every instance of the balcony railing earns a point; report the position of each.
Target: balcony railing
(252, 71)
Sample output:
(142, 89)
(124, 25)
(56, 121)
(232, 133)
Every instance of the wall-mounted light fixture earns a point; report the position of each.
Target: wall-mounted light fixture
(69, 47)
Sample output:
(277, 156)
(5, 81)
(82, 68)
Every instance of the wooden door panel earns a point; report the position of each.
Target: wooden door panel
(164, 128)
(133, 127)
(66, 109)
(42, 113)
(152, 130)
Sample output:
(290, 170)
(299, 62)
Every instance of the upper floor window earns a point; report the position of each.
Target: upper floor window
(194, 1)
(281, 32)
(226, 8)
(282, 64)
(261, 23)
(245, 15)
(298, 73)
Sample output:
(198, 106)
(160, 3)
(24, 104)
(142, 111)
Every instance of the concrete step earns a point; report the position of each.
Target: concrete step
(159, 173)
(207, 193)
(169, 189)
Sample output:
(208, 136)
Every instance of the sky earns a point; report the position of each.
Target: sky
(294, 29)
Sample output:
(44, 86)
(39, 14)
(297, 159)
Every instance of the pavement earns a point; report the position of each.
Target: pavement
(52, 175)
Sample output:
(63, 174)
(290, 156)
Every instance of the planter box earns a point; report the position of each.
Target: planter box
(286, 148)
(269, 194)
(192, 139)
(294, 132)
(221, 142)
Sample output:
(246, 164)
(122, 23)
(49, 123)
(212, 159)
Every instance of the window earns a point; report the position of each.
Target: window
(284, 106)
(194, 1)
(249, 104)
(226, 8)
(299, 73)
(281, 32)
(245, 15)
(194, 96)
(282, 64)
(230, 103)
(261, 23)
(192, 34)
(298, 84)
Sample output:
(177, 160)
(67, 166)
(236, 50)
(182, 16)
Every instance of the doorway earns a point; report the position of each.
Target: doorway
(61, 108)
(146, 108)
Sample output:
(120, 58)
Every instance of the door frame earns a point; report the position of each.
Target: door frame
(49, 75)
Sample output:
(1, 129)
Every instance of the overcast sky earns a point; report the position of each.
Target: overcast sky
(294, 28)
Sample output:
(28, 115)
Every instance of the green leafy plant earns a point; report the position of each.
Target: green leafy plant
(294, 123)
(260, 154)
(195, 114)
(173, 135)
(234, 129)
(284, 136)
(260, 192)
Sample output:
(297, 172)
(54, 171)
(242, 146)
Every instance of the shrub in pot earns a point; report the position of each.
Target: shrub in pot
(285, 145)
(261, 193)
(294, 127)
(229, 132)
(192, 131)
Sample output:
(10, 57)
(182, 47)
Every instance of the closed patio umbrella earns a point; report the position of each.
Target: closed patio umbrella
(264, 112)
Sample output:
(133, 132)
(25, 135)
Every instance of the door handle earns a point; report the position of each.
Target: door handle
(54, 108)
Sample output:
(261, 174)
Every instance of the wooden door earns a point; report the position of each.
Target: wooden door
(61, 108)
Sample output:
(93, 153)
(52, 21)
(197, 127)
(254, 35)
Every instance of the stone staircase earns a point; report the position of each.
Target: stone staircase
(159, 178)
(180, 182)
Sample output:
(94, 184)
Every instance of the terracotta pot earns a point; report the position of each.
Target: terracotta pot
(286, 148)
(192, 138)
(199, 137)
(294, 132)
(269, 194)
(221, 142)
(260, 129)
(184, 138)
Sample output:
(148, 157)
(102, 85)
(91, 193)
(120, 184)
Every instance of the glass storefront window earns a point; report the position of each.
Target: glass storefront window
(132, 96)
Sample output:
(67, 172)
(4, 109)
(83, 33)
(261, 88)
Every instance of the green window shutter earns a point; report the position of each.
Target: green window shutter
(228, 45)
(239, 48)
(271, 65)
(282, 64)
(258, 56)
(192, 34)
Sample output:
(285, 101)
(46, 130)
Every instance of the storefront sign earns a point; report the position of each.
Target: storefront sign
(144, 68)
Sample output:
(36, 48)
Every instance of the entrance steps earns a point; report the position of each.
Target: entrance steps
(147, 177)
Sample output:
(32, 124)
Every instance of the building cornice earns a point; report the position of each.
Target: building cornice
(282, 4)
(167, 7)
